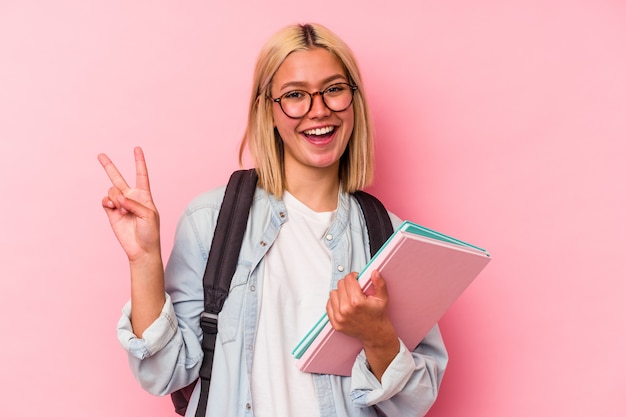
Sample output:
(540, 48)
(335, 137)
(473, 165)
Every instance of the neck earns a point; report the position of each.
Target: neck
(317, 189)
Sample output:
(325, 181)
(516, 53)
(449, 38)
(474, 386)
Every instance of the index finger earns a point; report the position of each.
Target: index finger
(112, 172)
(141, 170)
(350, 285)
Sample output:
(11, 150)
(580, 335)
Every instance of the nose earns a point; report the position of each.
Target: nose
(318, 107)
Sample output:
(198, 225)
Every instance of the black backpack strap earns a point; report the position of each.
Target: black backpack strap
(221, 264)
(377, 220)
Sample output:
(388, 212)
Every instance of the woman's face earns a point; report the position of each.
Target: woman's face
(318, 139)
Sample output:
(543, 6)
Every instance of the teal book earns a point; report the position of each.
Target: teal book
(425, 272)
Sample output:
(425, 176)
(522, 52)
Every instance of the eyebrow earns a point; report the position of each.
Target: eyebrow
(302, 84)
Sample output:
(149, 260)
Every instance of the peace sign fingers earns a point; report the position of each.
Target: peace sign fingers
(142, 181)
(122, 196)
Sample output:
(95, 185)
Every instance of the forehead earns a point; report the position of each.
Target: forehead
(309, 68)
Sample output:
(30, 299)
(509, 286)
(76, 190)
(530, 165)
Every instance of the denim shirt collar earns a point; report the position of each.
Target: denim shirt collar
(338, 226)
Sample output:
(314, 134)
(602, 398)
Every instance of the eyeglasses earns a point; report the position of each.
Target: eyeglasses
(297, 103)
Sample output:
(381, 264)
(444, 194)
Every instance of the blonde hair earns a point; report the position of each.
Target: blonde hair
(265, 145)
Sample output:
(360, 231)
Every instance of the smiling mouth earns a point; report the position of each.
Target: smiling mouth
(319, 133)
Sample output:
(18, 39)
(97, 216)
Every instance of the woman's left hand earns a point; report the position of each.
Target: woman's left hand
(365, 317)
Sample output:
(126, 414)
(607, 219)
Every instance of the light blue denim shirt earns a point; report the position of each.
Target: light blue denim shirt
(169, 355)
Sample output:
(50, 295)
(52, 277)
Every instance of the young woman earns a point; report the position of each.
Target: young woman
(310, 137)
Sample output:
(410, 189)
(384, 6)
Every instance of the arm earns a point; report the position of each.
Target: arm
(386, 373)
(135, 222)
(163, 356)
(168, 356)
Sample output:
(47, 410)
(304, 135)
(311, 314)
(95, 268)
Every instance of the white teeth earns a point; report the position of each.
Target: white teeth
(320, 131)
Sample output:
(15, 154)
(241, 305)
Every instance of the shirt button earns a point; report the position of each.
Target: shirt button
(340, 268)
(263, 243)
(282, 214)
(252, 288)
(329, 237)
(248, 406)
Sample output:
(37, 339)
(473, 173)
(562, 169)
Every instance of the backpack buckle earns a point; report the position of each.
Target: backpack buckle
(208, 322)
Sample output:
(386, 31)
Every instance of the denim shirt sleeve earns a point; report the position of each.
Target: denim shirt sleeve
(155, 337)
(367, 390)
(410, 382)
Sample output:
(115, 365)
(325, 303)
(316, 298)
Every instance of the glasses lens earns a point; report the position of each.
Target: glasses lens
(338, 97)
(295, 103)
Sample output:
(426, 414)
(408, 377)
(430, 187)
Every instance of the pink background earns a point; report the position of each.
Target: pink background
(502, 123)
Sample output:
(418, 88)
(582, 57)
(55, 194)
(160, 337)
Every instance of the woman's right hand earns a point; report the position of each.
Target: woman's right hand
(131, 211)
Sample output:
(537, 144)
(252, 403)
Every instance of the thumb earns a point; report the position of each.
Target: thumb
(131, 206)
(379, 286)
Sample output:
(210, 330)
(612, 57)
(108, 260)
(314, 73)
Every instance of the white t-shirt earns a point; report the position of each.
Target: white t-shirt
(294, 295)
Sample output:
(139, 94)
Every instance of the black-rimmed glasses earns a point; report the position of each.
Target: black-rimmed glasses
(297, 103)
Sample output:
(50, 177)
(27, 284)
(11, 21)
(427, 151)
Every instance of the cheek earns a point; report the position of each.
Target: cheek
(284, 124)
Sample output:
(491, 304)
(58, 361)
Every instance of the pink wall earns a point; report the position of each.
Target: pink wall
(502, 123)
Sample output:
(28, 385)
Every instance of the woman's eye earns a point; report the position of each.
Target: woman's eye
(334, 89)
(293, 95)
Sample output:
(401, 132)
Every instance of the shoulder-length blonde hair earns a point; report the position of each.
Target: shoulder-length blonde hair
(266, 149)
